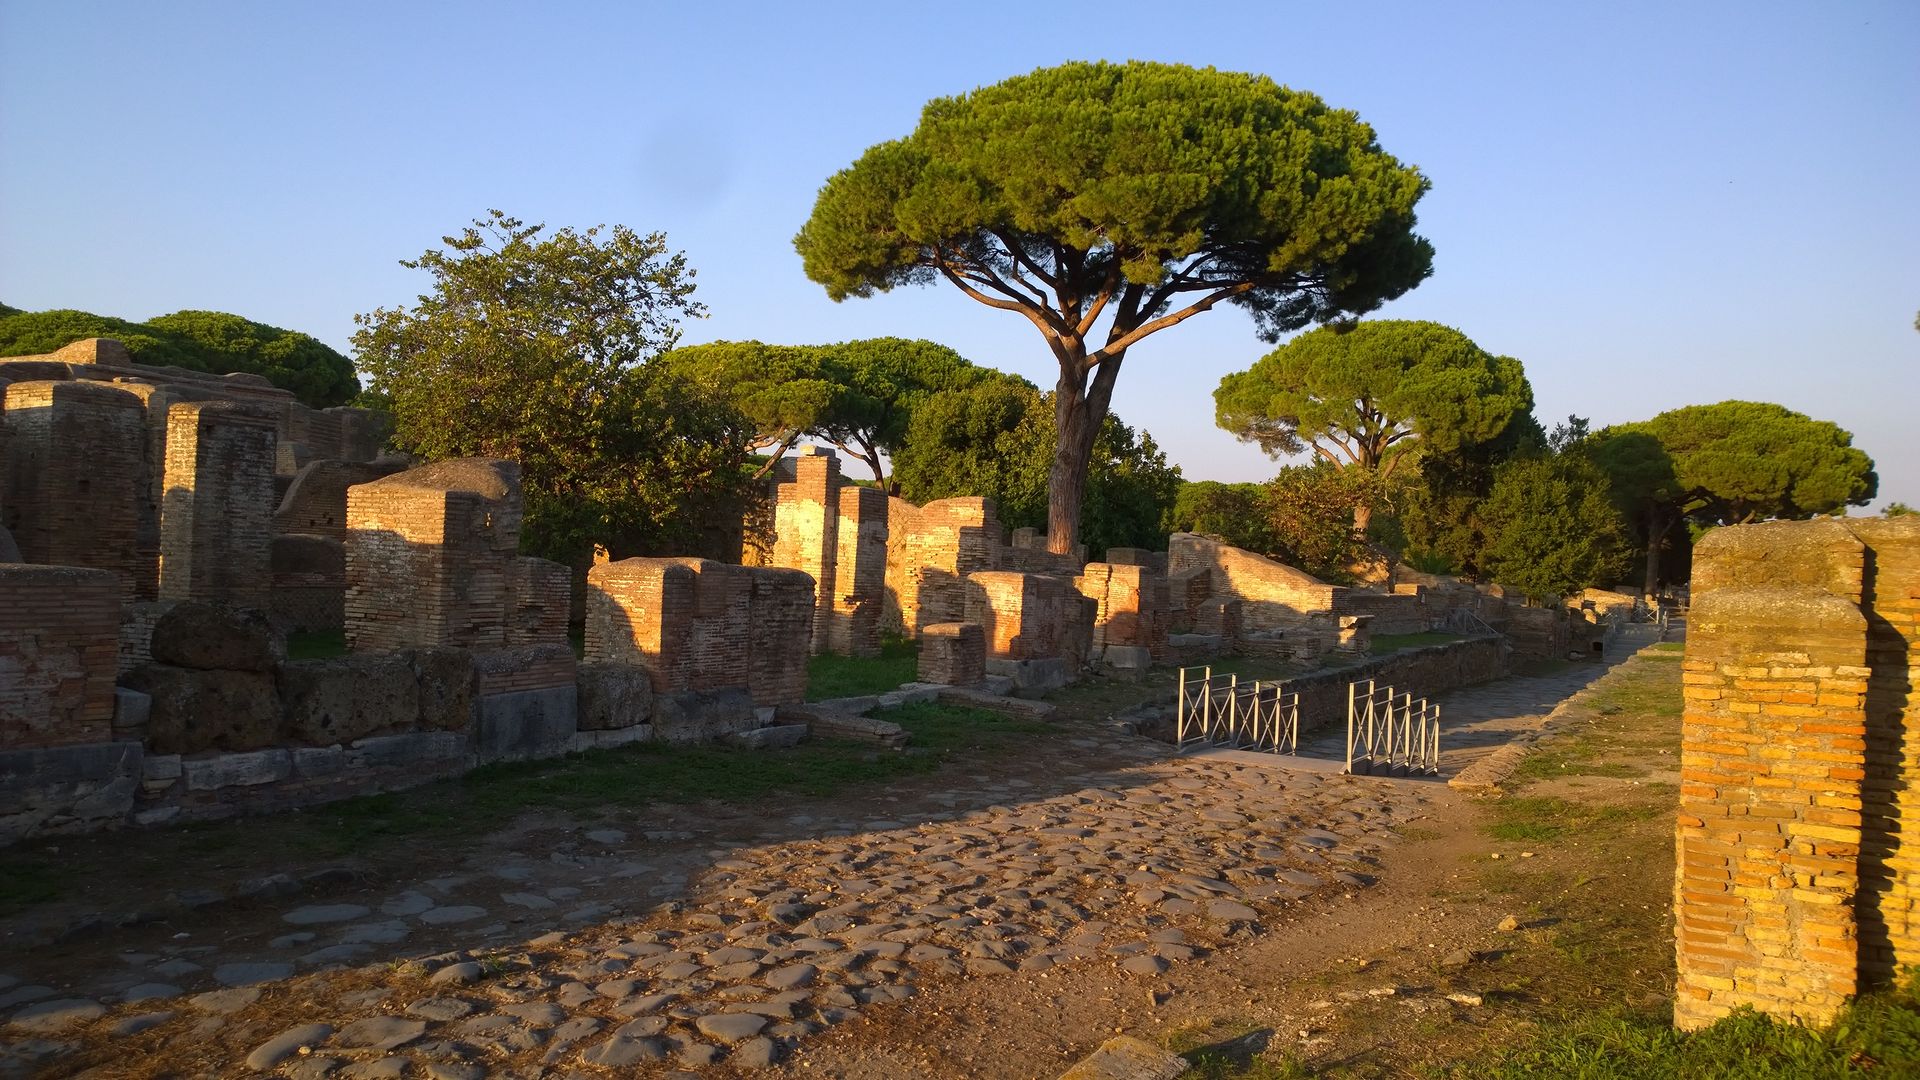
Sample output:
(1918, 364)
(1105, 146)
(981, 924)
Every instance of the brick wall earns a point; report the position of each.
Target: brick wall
(700, 625)
(316, 501)
(1130, 607)
(860, 572)
(59, 653)
(807, 530)
(1793, 886)
(1030, 616)
(931, 550)
(953, 654)
(309, 582)
(1273, 595)
(216, 520)
(77, 468)
(432, 556)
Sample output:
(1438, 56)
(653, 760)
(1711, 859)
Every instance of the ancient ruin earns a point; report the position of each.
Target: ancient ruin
(1797, 878)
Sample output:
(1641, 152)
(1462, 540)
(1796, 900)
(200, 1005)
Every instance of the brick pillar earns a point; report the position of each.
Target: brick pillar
(216, 520)
(807, 531)
(781, 610)
(700, 625)
(640, 611)
(76, 459)
(1889, 904)
(860, 572)
(1769, 823)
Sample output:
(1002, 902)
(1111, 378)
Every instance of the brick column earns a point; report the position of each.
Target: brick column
(77, 462)
(807, 531)
(216, 519)
(860, 572)
(1889, 904)
(1772, 758)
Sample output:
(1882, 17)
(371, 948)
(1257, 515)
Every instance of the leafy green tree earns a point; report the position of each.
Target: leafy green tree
(856, 395)
(1236, 513)
(1363, 396)
(995, 438)
(1107, 202)
(1732, 462)
(1550, 526)
(1310, 511)
(1439, 504)
(539, 348)
(1899, 509)
(209, 341)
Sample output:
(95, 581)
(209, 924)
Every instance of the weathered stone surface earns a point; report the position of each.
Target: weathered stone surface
(207, 710)
(1126, 1058)
(614, 695)
(245, 975)
(778, 737)
(731, 1027)
(9, 551)
(445, 682)
(380, 1033)
(217, 637)
(237, 770)
(696, 716)
(340, 700)
(49, 1017)
(66, 788)
(525, 724)
(287, 1044)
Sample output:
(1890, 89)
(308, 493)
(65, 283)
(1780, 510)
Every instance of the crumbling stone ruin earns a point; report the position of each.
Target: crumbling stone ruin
(1798, 876)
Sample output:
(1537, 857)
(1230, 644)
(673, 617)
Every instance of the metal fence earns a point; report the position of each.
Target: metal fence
(1220, 710)
(1390, 733)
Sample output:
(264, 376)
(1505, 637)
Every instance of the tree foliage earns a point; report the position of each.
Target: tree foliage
(1235, 513)
(540, 348)
(995, 438)
(1364, 396)
(1107, 202)
(857, 395)
(1550, 526)
(1310, 510)
(1727, 463)
(209, 341)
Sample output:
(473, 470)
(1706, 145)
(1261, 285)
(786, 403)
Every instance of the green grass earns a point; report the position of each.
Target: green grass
(1223, 1050)
(1392, 643)
(1668, 647)
(316, 644)
(1540, 819)
(1879, 1035)
(595, 784)
(831, 676)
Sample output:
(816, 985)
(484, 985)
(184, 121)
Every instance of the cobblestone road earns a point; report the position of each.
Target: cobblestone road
(737, 955)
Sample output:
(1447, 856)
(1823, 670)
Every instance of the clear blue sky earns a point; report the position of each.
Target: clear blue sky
(1650, 205)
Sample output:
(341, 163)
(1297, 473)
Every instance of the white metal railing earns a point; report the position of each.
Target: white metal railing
(1389, 733)
(1220, 710)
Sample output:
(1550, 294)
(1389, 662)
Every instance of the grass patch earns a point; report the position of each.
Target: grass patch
(830, 676)
(1667, 648)
(316, 644)
(1879, 1035)
(1549, 818)
(1391, 643)
(1232, 1050)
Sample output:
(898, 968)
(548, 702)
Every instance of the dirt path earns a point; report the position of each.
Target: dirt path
(996, 925)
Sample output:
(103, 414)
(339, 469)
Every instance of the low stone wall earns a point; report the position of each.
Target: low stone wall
(1426, 671)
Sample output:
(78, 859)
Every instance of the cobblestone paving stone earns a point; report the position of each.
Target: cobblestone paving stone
(1148, 866)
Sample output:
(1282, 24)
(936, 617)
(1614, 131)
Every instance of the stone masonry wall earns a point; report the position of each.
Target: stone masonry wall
(216, 520)
(1794, 885)
(77, 475)
(59, 653)
(693, 624)
(931, 551)
(1273, 595)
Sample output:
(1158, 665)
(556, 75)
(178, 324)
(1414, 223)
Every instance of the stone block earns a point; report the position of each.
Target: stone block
(207, 710)
(776, 737)
(313, 762)
(67, 788)
(953, 654)
(612, 737)
(237, 770)
(698, 716)
(339, 700)
(614, 695)
(131, 709)
(217, 637)
(524, 724)
(1034, 678)
(415, 748)
(444, 679)
(1126, 1058)
(161, 767)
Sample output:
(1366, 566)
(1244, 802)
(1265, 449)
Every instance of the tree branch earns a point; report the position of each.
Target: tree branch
(1128, 339)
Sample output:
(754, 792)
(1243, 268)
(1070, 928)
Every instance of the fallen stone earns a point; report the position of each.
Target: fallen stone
(731, 1027)
(1510, 924)
(215, 637)
(456, 974)
(1126, 1058)
(1467, 998)
(758, 1052)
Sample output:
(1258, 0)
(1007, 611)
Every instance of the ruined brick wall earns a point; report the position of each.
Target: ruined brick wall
(216, 520)
(433, 556)
(315, 503)
(807, 530)
(309, 583)
(1393, 613)
(953, 654)
(1793, 886)
(1273, 595)
(700, 625)
(1026, 552)
(59, 653)
(1030, 616)
(931, 551)
(860, 572)
(1130, 607)
(1539, 633)
(76, 462)
(540, 602)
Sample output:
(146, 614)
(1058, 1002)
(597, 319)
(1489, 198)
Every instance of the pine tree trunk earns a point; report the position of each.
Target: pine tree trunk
(1079, 408)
